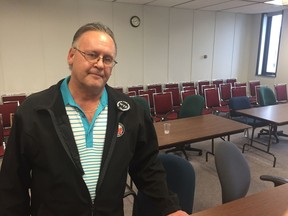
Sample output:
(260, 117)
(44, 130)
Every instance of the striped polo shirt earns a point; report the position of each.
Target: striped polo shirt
(89, 138)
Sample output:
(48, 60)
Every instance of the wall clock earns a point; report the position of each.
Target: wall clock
(135, 21)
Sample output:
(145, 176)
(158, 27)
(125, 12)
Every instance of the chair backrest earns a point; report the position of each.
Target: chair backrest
(135, 88)
(200, 83)
(7, 110)
(266, 96)
(1, 130)
(18, 97)
(193, 105)
(185, 93)
(163, 103)
(252, 85)
(238, 91)
(207, 87)
(1, 137)
(238, 103)
(231, 80)
(212, 97)
(180, 177)
(186, 88)
(281, 92)
(143, 102)
(131, 93)
(233, 171)
(171, 85)
(225, 91)
(157, 87)
(237, 84)
(188, 84)
(217, 82)
(150, 92)
(176, 97)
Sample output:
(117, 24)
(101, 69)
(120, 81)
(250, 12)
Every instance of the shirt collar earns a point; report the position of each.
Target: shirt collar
(68, 99)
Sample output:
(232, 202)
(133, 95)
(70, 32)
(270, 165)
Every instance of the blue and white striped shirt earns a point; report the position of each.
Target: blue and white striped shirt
(89, 138)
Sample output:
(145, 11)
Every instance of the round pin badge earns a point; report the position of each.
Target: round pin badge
(123, 105)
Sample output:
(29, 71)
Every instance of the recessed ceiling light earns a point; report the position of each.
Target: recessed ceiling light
(277, 2)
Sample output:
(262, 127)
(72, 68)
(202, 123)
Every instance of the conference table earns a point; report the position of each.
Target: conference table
(271, 202)
(274, 115)
(196, 129)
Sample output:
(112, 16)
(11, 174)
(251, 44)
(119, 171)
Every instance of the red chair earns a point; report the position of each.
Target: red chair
(281, 92)
(212, 101)
(135, 88)
(187, 88)
(207, 87)
(231, 80)
(150, 92)
(252, 90)
(238, 91)
(7, 110)
(146, 97)
(176, 98)
(163, 107)
(2, 149)
(200, 84)
(18, 97)
(186, 93)
(225, 93)
(217, 82)
(171, 85)
(237, 84)
(131, 93)
(188, 84)
(157, 87)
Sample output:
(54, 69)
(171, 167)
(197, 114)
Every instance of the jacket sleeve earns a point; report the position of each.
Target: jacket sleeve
(147, 171)
(14, 177)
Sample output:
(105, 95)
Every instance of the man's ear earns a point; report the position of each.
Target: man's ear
(70, 56)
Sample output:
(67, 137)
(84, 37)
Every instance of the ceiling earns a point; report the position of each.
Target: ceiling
(234, 6)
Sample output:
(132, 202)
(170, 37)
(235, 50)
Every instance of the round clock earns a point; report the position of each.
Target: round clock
(135, 21)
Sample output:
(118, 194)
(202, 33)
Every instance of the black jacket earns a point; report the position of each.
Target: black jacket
(42, 155)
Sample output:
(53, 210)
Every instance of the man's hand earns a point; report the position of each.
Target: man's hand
(178, 213)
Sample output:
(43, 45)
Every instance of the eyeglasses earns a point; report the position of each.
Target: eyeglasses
(94, 57)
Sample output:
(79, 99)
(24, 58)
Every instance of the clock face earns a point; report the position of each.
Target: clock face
(135, 21)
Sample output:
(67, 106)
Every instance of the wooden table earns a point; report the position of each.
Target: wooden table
(274, 115)
(196, 129)
(271, 202)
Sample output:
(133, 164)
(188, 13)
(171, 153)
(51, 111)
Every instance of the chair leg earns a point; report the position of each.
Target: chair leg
(266, 132)
(189, 148)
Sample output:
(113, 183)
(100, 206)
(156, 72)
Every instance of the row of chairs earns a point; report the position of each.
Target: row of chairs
(166, 105)
(181, 85)
(198, 85)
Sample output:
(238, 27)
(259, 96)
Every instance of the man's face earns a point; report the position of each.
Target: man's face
(90, 74)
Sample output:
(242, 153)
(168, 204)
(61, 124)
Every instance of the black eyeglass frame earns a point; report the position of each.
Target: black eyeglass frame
(84, 54)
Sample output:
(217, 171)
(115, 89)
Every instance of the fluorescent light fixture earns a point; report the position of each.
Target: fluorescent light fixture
(277, 2)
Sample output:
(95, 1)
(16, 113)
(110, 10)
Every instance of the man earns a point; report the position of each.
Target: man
(73, 143)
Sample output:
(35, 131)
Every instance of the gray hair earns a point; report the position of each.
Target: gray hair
(99, 27)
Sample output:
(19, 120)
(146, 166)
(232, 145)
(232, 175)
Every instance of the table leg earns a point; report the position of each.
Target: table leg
(268, 145)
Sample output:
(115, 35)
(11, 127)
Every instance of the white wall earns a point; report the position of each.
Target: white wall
(169, 45)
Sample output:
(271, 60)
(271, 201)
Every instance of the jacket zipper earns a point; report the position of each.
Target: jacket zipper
(92, 208)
